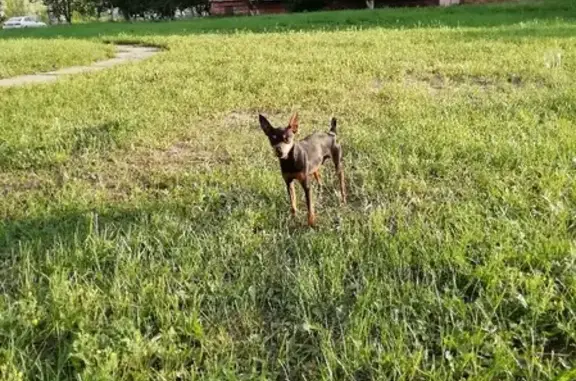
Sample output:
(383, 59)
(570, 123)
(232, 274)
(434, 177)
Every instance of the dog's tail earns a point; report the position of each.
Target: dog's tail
(333, 126)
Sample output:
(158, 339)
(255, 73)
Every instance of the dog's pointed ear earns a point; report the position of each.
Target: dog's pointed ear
(293, 124)
(265, 124)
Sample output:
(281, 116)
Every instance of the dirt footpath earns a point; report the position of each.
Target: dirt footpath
(124, 53)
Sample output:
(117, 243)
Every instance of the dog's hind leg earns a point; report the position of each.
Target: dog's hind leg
(317, 176)
(337, 158)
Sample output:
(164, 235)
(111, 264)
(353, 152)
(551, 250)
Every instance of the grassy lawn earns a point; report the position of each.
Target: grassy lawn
(27, 56)
(482, 16)
(146, 233)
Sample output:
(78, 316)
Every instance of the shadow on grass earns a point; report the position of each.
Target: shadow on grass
(71, 228)
(458, 16)
(290, 286)
(77, 141)
(64, 242)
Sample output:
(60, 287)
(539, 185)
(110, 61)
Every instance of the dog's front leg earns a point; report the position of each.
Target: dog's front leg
(292, 196)
(306, 185)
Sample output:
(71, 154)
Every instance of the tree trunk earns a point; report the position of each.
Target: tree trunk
(68, 11)
(370, 4)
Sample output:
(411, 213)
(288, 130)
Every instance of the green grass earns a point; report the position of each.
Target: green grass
(32, 55)
(503, 14)
(146, 233)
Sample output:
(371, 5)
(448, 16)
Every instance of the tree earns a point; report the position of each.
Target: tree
(15, 7)
(66, 8)
(130, 8)
(101, 6)
(92, 8)
(158, 9)
(59, 8)
(200, 6)
(2, 11)
(306, 5)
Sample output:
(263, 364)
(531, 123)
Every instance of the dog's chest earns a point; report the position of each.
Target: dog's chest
(292, 166)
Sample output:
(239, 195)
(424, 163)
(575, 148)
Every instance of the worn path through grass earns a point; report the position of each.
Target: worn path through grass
(123, 54)
(31, 55)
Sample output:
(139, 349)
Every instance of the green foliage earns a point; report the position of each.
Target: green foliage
(149, 9)
(548, 11)
(306, 5)
(23, 8)
(16, 7)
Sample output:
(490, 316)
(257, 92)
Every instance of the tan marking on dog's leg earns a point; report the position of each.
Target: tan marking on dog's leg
(317, 177)
(292, 195)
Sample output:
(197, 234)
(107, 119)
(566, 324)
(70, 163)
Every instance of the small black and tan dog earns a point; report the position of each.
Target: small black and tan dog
(301, 159)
